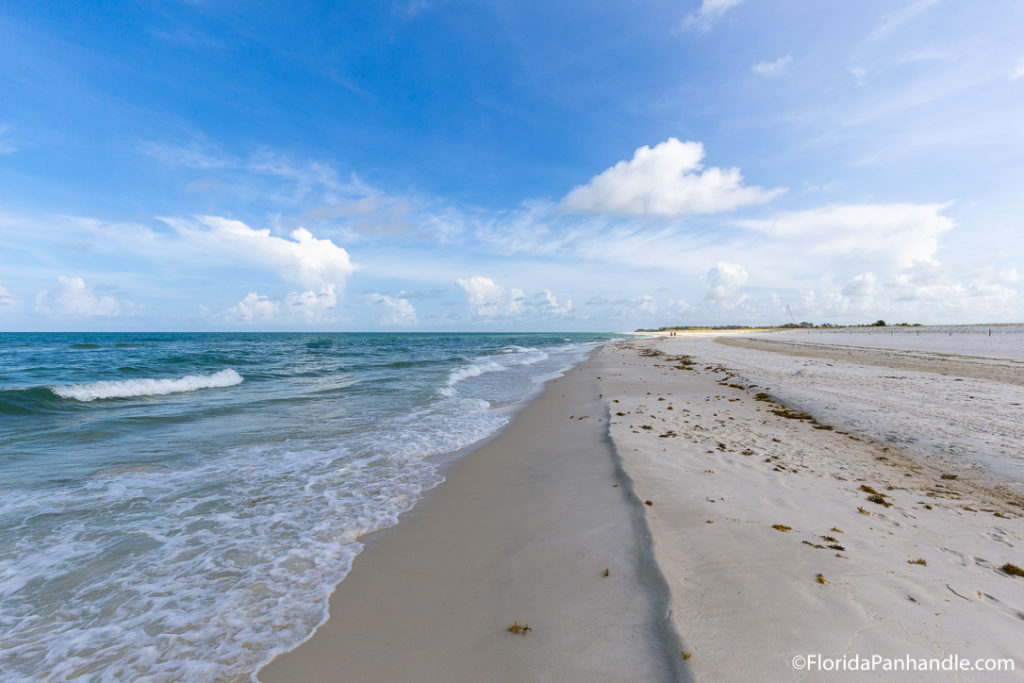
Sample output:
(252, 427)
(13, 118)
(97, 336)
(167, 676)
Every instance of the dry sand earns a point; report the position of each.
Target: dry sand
(722, 468)
(524, 527)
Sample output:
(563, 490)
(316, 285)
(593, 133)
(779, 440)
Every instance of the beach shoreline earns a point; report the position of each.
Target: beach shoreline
(732, 509)
(523, 529)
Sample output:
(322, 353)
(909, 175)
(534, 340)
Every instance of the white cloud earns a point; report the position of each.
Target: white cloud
(678, 306)
(1017, 72)
(74, 299)
(626, 307)
(311, 306)
(295, 307)
(893, 21)
(304, 259)
(667, 180)
(488, 299)
(549, 306)
(253, 308)
(895, 234)
(6, 298)
(396, 310)
(725, 284)
(861, 286)
(772, 69)
(708, 13)
(921, 292)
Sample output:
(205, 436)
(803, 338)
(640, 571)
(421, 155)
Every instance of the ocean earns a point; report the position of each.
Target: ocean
(180, 506)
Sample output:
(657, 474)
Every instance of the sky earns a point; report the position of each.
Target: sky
(509, 165)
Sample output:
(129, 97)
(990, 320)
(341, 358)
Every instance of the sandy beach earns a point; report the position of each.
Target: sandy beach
(754, 501)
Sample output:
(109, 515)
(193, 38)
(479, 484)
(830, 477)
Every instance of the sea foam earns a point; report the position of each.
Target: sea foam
(147, 387)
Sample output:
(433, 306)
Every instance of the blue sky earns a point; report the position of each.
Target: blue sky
(447, 165)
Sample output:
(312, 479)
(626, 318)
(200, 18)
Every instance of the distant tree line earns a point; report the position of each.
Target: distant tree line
(803, 325)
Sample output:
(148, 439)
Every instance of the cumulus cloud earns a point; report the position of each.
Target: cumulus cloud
(304, 259)
(923, 289)
(253, 308)
(311, 306)
(708, 13)
(772, 69)
(725, 284)
(861, 286)
(72, 298)
(892, 234)
(488, 299)
(319, 266)
(548, 304)
(666, 180)
(678, 306)
(296, 307)
(395, 310)
(6, 298)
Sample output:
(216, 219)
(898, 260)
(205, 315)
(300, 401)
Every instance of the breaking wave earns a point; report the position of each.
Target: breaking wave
(147, 387)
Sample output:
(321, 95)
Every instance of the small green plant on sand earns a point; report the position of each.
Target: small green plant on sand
(607, 573)
(921, 561)
(862, 511)
(821, 579)
(686, 655)
(782, 527)
(516, 627)
(1012, 569)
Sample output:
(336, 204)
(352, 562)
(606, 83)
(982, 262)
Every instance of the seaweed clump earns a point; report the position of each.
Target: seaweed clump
(516, 627)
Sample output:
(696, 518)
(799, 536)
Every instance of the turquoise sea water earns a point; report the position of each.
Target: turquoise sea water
(180, 506)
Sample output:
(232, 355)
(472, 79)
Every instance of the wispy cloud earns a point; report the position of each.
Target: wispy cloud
(708, 13)
(896, 19)
(772, 69)
(6, 298)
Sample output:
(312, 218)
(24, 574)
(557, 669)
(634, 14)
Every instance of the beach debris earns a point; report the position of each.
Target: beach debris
(875, 496)
(516, 627)
(607, 573)
(836, 529)
(950, 476)
(921, 561)
(686, 655)
(782, 527)
(1012, 569)
(821, 579)
(647, 502)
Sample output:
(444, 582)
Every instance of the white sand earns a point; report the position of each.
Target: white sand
(721, 469)
(524, 526)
